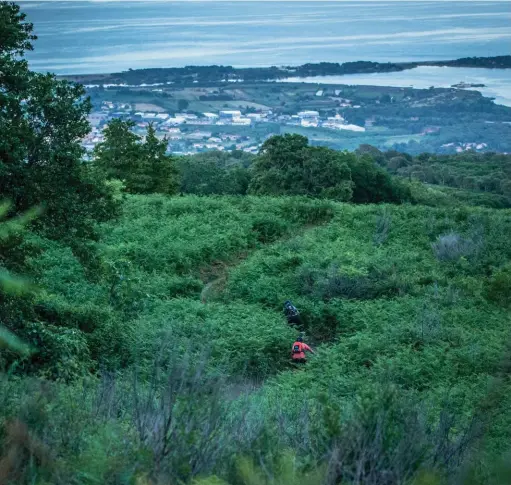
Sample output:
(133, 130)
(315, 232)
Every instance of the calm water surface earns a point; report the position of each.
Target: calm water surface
(497, 81)
(106, 36)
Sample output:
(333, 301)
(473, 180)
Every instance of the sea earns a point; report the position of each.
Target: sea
(103, 36)
(497, 82)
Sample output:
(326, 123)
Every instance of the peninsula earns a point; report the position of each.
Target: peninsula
(213, 74)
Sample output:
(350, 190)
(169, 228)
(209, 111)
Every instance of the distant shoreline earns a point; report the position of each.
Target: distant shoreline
(218, 74)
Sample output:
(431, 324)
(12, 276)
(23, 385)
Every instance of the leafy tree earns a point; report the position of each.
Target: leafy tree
(119, 155)
(215, 173)
(42, 121)
(143, 167)
(373, 184)
(182, 104)
(288, 166)
(395, 163)
(201, 177)
(376, 154)
(161, 168)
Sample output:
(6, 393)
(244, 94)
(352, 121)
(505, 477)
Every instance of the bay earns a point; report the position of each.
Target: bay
(111, 36)
(497, 81)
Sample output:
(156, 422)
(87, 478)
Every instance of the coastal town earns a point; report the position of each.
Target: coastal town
(189, 133)
(195, 118)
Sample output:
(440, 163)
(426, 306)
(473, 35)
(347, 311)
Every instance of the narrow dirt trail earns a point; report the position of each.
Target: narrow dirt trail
(215, 275)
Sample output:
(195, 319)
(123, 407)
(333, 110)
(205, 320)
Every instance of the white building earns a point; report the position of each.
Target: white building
(210, 116)
(230, 114)
(337, 118)
(241, 121)
(309, 123)
(335, 122)
(176, 120)
(308, 114)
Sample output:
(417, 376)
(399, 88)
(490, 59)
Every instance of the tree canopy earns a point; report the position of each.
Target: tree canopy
(144, 167)
(215, 173)
(287, 165)
(42, 121)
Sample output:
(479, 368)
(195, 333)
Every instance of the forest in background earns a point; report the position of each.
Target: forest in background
(141, 328)
(473, 179)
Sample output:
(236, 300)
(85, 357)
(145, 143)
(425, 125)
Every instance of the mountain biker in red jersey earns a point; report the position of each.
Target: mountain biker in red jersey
(298, 351)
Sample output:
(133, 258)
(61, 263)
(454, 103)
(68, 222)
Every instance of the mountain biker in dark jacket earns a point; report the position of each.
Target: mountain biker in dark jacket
(292, 314)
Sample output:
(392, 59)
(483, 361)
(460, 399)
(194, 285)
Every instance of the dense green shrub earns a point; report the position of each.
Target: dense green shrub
(268, 230)
(307, 211)
(243, 339)
(160, 249)
(215, 173)
(388, 313)
(288, 166)
(498, 288)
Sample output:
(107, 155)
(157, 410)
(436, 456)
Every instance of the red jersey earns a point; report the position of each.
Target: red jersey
(302, 348)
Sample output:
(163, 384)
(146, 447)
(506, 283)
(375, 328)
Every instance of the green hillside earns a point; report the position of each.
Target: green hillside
(404, 304)
(142, 333)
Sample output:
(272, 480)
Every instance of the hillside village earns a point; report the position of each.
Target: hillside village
(190, 133)
(241, 116)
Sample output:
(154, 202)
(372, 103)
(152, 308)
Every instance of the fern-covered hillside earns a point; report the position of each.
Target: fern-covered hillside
(403, 304)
